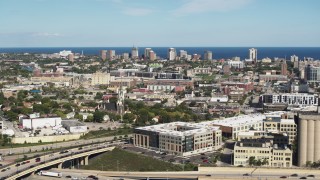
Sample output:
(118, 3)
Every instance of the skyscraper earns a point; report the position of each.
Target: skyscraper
(134, 52)
(172, 54)
(146, 53)
(207, 55)
(253, 55)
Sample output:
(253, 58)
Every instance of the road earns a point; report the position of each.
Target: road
(206, 173)
(79, 142)
(12, 169)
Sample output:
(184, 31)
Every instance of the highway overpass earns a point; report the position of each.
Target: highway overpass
(56, 159)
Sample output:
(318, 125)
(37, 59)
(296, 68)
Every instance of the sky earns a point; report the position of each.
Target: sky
(156, 23)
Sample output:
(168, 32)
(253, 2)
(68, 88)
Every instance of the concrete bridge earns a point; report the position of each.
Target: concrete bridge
(76, 154)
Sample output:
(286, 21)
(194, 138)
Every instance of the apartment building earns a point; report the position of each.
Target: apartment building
(291, 99)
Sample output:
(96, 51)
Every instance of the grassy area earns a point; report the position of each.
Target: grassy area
(105, 133)
(121, 160)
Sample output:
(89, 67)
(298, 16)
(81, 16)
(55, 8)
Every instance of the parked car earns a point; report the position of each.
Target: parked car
(294, 175)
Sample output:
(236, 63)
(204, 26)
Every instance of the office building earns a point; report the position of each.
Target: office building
(134, 52)
(253, 55)
(172, 54)
(263, 151)
(179, 138)
(207, 55)
(282, 124)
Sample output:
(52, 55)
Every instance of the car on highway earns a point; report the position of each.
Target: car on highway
(311, 175)
(246, 174)
(303, 178)
(17, 164)
(3, 170)
(38, 159)
(283, 177)
(93, 177)
(294, 175)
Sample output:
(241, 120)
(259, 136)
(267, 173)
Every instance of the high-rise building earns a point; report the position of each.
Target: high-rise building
(111, 54)
(172, 53)
(125, 56)
(312, 73)
(207, 55)
(134, 52)
(294, 58)
(152, 55)
(253, 55)
(183, 54)
(146, 53)
(103, 54)
(308, 138)
(284, 68)
(71, 57)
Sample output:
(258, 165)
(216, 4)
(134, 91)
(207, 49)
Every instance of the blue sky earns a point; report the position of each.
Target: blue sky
(116, 23)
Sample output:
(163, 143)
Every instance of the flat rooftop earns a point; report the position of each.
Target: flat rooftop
(169, 128)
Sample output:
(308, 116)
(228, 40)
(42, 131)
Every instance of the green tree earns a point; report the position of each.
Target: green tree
(128, 118)
(98, 116)
(99, 95)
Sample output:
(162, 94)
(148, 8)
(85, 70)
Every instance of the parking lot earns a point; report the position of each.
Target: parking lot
(203, 159)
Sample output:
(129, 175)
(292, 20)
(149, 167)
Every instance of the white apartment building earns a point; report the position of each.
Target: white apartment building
(236, 64)
(172, 54)
(99, 78)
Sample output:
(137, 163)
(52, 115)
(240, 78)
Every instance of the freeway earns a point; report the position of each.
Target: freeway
(74, 143)
(207, 173)
(42, 160)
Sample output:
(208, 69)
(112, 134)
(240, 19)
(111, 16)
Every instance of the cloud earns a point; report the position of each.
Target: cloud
(46, 34)
(137, 11)
(201, 6)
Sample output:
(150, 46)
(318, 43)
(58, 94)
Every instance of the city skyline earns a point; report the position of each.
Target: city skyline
(120, 23)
